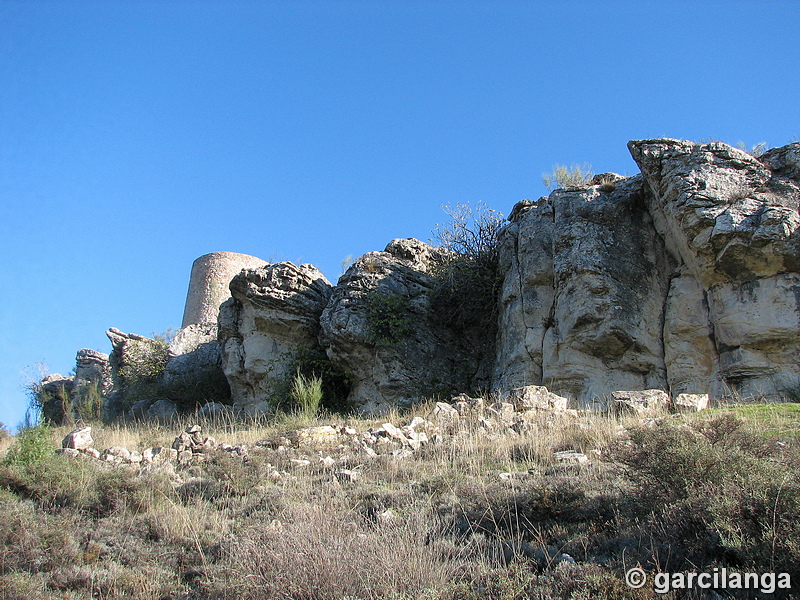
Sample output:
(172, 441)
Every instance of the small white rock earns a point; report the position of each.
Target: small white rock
(571, 456)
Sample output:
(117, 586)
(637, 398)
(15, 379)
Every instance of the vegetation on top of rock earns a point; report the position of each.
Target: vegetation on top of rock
(563, 177)
(146, 359)
(756, 150)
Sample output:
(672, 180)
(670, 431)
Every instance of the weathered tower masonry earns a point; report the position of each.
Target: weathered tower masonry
(208, 284)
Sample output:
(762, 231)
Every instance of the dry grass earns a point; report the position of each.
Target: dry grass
(6, 441)
(480, 515)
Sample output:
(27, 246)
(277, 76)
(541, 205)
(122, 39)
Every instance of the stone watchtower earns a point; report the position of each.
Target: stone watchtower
(208, 284)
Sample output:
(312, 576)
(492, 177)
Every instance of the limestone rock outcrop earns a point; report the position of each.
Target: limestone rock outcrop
(725, 213)
(80, 396)
(274, 314)
(92, 382)
(155, 379)
(136, 362)
(585, 280)
(732, 221)
(193, 374)
(379, 326)
(684, 279)
(681, 283)
(55, 397)
(194, 348)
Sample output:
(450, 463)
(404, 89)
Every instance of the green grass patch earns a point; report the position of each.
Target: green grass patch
(774, 420)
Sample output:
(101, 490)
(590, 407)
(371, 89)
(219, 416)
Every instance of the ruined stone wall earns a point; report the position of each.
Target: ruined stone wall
(208, 284)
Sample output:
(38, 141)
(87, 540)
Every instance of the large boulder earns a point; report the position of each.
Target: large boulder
(272, 317)
(54, 393)
(732, 319)
(725, 213)
(137, 365)
(585, 280)
(91, 384)
(185, 370)
(380, 326)
(78, 439)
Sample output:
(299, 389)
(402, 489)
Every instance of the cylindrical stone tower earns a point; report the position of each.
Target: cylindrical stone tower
(208, 284)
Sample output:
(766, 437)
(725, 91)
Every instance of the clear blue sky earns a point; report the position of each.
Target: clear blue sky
(136, 136)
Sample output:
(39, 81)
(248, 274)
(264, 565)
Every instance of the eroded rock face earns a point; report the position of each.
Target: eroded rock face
(689, 349)
(273, 315)
(757, 333)
(92, 383)
(732, 322)
(137, 366)
(65, 399)
(683, 279)
(194, 348)
(725, 213)
(92, 366)
(380, 327)
(586, 276)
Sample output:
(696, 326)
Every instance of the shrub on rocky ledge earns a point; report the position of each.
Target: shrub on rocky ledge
(466, 276)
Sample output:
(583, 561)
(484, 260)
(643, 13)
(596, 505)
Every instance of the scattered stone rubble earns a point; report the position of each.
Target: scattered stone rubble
(190, 447)
(519, 412)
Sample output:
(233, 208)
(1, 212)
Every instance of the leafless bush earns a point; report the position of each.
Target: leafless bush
(467, 279)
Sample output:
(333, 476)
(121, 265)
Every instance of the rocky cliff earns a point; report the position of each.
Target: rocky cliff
(381, 327)
(582, 306)
(684, 278)
(273, 316)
